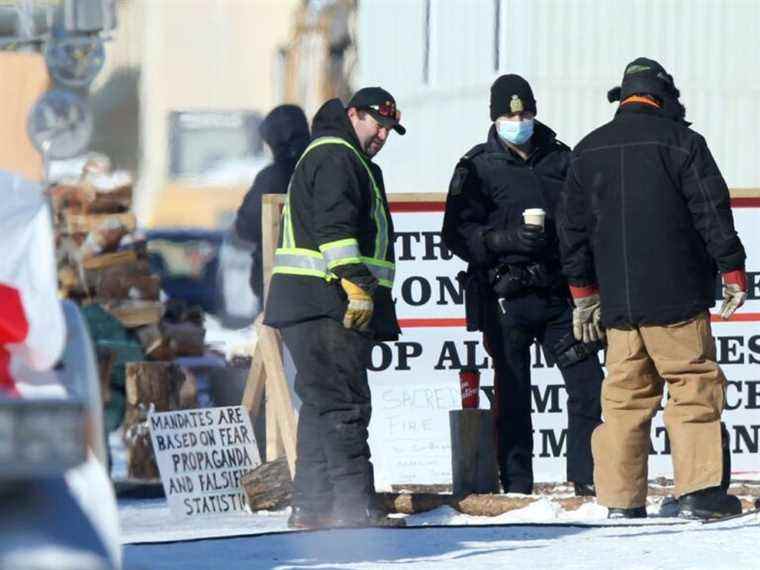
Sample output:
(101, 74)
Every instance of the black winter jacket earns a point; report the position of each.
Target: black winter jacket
(490, 189)
(646, 215)
(273, 179)
(286, 132)
(331, 199)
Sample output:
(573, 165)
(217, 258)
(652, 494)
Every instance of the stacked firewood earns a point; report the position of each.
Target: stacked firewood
(101, 260)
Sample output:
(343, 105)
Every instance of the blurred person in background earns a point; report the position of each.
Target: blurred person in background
(514, 289)
(286, 131)
(330, 296)
(645, 225)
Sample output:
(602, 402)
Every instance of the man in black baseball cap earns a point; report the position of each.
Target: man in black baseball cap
(384, 116)
(331, 297)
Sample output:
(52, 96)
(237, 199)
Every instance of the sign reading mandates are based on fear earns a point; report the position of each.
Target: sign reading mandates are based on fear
(202, 456)
(415, 380)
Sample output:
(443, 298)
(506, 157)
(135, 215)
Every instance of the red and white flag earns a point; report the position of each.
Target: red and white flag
(32, 328)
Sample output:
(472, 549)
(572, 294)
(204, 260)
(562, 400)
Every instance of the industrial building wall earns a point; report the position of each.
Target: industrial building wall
(169, 55)
(439, 57)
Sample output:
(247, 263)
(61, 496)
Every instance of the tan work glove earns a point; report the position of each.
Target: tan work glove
(734, 292)
(360, 306)
(587, 319)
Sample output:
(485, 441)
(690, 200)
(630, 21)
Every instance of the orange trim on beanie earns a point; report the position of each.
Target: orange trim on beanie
(641, 99)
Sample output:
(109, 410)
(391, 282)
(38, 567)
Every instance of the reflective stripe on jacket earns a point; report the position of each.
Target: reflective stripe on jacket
(294, 260)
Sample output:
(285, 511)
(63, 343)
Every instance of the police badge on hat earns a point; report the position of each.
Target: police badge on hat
(516, 104)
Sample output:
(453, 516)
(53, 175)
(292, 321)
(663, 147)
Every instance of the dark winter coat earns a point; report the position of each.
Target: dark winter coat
(331, 199)
(286, 132)
(646, 214)
(490, 189)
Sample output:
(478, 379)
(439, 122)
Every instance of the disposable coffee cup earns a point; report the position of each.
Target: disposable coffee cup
(534, 216)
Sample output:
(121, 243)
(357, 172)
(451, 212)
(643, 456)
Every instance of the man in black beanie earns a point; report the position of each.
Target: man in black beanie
(645, 225)
(514, 290)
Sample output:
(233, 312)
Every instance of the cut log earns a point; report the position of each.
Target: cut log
(103, 239)
(473, 453)
(70, 198)
(125, 267)
(185, 339)
(111, 201)
(153, 342)
(134, 314)
(84, 223)
(478, 505)
(486, 505)
(110, 260)
(118, 285)
(86, 199)
(269, 487)
(150, 386)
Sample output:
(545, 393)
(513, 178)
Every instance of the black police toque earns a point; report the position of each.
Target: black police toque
(511, 94)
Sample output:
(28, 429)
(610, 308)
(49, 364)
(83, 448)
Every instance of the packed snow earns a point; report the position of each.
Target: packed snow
(654, 543)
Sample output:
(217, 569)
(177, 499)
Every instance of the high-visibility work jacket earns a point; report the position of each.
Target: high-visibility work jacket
(290, 259)
(335, 223)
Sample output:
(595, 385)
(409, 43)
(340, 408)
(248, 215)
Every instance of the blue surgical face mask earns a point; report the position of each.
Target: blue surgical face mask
(515, 132)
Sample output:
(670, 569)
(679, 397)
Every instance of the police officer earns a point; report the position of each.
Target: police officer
(513, 287)
(645, 225)
(330, 296)
(286, 131)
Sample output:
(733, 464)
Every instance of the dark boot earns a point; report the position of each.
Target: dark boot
(631, 513)
(370, 518)
(711, 503)
(584, 489)
(305, 519)
(725, 442)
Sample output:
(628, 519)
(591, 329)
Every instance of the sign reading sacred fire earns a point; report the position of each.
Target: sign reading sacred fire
(202, 456)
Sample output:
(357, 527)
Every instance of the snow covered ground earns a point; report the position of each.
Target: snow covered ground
(541, 535)
(657, 543)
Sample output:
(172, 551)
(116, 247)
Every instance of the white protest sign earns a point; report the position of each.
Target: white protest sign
(202, 456)
(410, 433)
(435, 345)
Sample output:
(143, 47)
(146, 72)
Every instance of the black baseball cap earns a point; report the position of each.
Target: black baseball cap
(381, 105)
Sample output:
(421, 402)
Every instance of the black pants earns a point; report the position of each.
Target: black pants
(509, 337)
(333, 471)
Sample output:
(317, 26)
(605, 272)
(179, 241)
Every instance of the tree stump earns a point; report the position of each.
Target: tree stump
(268, 487)
(186, 339)
(473, 454)
(150, 386)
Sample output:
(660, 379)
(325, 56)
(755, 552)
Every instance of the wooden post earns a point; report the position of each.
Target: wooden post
(266, 376)
(473, 454)
(253, 395)
(279, 402)
(271, 223)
